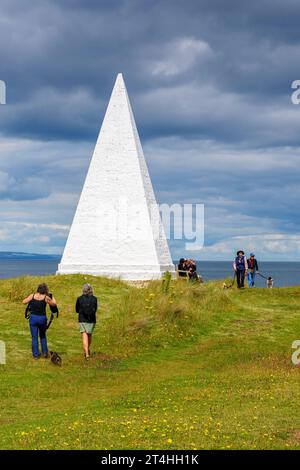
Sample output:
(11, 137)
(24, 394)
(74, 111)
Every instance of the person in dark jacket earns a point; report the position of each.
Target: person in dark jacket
(86, 307)
(240, 267)
(252, 269)
(182, 268)
(38, 318)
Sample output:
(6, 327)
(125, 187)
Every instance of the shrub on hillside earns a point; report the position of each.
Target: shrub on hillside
(16, 289)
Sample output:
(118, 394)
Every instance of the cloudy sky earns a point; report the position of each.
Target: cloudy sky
(210, 85)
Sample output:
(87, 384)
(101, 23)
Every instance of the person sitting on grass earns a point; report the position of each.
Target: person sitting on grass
(86, 307)
(38, 318)
(240, 267)
(182, 268)
(192, 270)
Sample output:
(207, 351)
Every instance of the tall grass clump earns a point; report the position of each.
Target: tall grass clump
(159, 314)
(17, 289)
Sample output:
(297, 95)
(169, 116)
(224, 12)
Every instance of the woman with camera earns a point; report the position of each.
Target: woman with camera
(38, 319)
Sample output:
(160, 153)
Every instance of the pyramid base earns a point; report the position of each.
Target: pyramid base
(130, 273)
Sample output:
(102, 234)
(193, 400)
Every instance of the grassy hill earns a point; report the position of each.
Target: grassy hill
(195, 367)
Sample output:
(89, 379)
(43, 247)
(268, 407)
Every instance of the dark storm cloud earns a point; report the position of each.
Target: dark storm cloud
(247, 55)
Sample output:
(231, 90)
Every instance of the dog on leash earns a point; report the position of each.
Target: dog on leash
(55, 358)
(225, 286)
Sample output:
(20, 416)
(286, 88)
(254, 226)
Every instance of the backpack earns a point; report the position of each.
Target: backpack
(88, 306)
(53, 308)
(27, 311)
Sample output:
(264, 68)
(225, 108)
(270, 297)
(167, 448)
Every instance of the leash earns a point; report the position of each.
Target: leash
(50, 321)
(27, 311)
(54, 310)
(261, 275)
(232, 282)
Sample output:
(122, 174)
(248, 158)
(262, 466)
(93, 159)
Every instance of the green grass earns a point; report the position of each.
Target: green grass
(190, 367)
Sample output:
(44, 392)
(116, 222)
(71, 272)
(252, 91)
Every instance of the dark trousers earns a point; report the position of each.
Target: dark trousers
(240, 278)
(38, 326)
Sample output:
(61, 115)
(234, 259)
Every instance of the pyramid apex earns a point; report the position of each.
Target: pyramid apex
(120, 79)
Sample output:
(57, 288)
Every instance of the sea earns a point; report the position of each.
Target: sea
(283, 273)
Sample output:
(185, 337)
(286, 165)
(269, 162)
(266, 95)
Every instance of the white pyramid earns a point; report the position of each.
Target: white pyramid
(117, 230)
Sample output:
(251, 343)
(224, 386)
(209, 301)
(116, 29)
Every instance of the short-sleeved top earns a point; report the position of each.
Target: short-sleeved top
(86, 307)
(37, 307)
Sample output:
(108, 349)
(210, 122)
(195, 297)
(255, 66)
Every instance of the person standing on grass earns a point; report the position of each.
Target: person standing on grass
(252, 269)
(86, 307)
(38, 318)
(240, 267)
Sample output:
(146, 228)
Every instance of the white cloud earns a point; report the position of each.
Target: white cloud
(180, 55)
(268, 246)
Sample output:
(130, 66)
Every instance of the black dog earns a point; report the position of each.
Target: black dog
(55, 358)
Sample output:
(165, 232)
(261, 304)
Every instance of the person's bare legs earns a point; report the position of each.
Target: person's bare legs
(85, 343)
(89, 342)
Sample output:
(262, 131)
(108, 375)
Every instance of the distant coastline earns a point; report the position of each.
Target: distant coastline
(14, 264)
(20, 255)
(15, 255)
